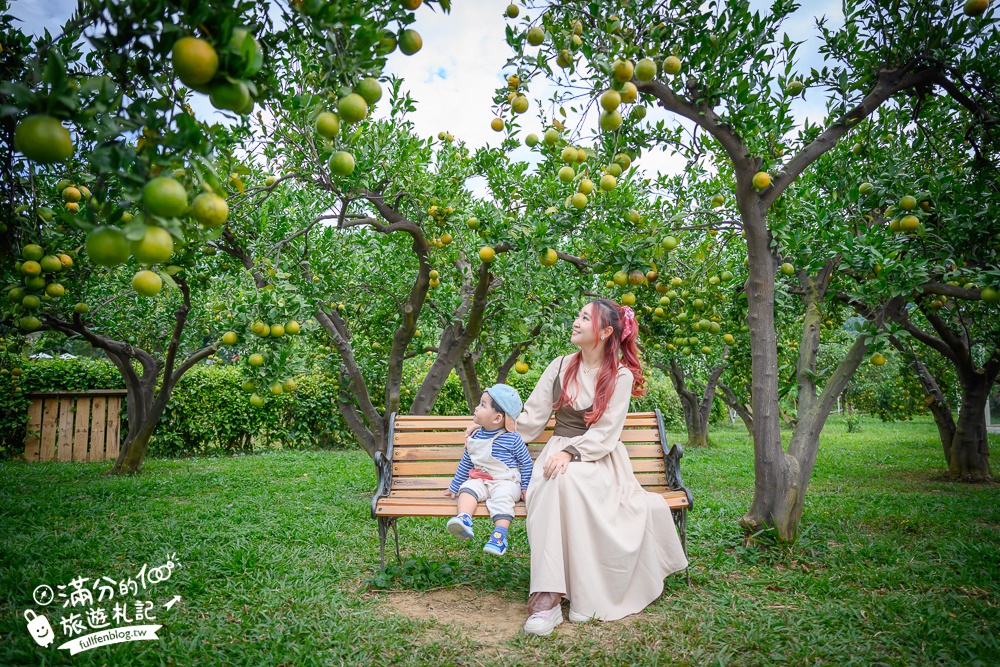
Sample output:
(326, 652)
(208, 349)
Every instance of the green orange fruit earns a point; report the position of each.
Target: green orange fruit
(107, 246)
(195, 61)
(165, 197)
(147, 283)
(43, 139)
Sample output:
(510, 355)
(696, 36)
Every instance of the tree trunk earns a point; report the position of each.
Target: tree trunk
(696, 410)
(466, 369)
(935, 400)
(969, 454)
(730, 399)
(775, 473)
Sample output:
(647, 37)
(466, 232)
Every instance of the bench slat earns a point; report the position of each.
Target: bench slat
(453, 453)
(411, 468)
(410, 506)
(458, 437)
(429, 422)
(437, 493)
(645, 479)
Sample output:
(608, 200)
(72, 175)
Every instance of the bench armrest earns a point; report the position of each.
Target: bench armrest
(383, 467)
(672, 461)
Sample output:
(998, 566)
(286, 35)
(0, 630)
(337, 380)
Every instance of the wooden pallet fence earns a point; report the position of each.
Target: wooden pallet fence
(74, 425)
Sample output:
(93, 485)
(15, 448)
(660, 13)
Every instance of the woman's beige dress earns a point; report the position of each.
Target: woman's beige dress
(595, 535)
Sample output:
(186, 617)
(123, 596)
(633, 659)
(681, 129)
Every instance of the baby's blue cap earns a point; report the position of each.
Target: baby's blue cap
(507, 399)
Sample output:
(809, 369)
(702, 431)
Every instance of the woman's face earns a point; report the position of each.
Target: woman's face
(582, 334)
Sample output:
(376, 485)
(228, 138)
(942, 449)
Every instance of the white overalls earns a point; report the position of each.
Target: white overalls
(501, 492)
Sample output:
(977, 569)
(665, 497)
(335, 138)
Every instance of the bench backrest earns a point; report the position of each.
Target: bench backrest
(425, 451)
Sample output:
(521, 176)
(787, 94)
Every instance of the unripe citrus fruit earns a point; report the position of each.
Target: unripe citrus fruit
(256, 359)
(352, 108)
(370, 89)
(586, 186)
(277, 330)
(230, 338)
(794, 87)
(610, 100)
(536, 35)
(521, 367)
(672, 65)
(579, 200)
(512, 11)
(292, 328)
(195, 61)
(908, 203)
(497, 124)
(761, 180)
(342, 163)
(289, 385)
(255, 57)
(531, 140)
(549, 257)
(51, 264)
(43, 139)
(865, 188)
(410, 42)
(621, 70)
(30, 323)
(520, 104)
(147, 283)
(668, 243)
(878, 359)
(645, 70)
(566, 174)
(551, 136)
(229, 96)
(608, 182)
(990, 295)
(909, 223)
(71, 194)
(55, 290)
(30, 302)
(32, 251)
(256, 401)
(165, 197)
(328, 125)
(81, 308)
(787, 268)
(210, 209)
(65, 260)
(629, 92)
(628, 299)
(976, 7)
(623, 160)
(610, 120)
(31, 268)
(107, 246)
(156, 245)
(487, 253)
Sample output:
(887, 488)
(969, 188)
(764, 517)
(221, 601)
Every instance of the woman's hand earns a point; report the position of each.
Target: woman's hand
(557, 463)
(470, 429)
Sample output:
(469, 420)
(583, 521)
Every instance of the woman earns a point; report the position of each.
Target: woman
(596, 537)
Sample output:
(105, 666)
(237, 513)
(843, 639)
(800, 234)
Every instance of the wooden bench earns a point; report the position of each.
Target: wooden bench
(424, 452)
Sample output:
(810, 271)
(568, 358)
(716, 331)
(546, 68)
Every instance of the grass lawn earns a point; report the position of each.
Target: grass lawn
(278, 550)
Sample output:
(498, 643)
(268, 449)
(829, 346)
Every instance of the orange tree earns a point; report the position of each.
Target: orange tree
(393, 255)
(936, 206)
(732, 73)
(99, 118)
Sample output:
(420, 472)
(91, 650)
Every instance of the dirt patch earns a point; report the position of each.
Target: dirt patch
(483, 617)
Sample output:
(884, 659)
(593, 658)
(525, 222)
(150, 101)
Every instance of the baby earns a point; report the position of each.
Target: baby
(496, 467)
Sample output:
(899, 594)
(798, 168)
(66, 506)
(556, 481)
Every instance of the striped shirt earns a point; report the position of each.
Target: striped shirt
(508, 449)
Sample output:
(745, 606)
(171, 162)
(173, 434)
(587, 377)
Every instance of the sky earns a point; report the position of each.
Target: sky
(454, 76)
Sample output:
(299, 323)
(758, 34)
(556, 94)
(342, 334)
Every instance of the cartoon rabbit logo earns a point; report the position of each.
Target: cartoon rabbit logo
(39, 628)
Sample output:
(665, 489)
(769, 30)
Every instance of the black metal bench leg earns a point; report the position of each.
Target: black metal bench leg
(383, 529)
(395, 532)
(684, 521)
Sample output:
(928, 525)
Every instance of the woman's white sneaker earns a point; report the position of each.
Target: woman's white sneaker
(543, 622)
(579, 618)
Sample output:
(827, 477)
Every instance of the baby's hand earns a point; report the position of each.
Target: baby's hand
(449, 493)
(524, 494)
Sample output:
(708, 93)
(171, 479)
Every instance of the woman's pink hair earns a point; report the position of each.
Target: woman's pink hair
(604, 313)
